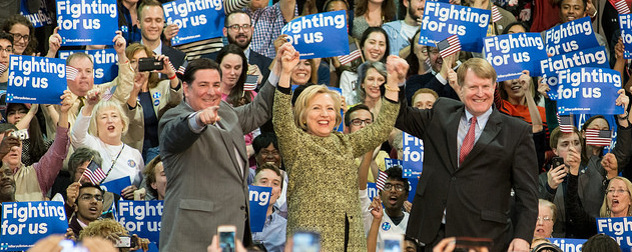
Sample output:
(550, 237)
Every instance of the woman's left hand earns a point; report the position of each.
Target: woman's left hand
(128, 192)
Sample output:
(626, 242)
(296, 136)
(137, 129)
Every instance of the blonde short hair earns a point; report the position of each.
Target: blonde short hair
(300, 106)
(549, 204)
(480, 67)
(103, 104)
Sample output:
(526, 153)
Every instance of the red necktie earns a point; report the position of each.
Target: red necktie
(468, 141)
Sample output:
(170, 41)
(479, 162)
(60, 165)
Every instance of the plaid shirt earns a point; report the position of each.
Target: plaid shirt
(268, 23)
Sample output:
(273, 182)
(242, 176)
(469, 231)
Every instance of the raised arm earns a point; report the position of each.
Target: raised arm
(366, 139)
(79, 133)
(52, 161)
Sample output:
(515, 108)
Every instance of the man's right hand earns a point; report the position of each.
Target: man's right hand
(72, 193)
(207, 116)
(556, 176)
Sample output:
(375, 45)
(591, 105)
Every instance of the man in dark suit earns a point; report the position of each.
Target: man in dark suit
(474, 157)
(238, 30)
(151, 19)
(206, 161)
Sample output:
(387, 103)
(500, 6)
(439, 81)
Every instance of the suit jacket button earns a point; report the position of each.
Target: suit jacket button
(242, 207)
(453, 178)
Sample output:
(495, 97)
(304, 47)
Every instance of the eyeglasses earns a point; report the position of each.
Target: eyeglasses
(17, 37)
(398, 187)
(88, 197)
(358, 122)
(7, 50)
(269, 153)
(545, 219)
(619, 191)
(236, 27)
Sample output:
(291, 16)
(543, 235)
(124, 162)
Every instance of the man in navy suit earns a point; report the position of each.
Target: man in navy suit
(151, 19)
(476, 158)
(238, 30)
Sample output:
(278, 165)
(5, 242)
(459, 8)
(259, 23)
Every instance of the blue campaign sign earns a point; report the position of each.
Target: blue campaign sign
(441, 20)
(37, 80)
(372, 191)
(593, 57)
(570, 36)
(510, 54)
(197, 20)
(413, 155)
(625, 24)
(141, 217)
(620, 229)
(117, 185)
(568, 245)
(24, 223)
(87, 22)
(389, 162)
(319, 35)
(39, 18)
(259, 197)
(105, 63)
(596, 94)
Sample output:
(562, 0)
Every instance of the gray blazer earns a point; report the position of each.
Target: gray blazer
(206, 187)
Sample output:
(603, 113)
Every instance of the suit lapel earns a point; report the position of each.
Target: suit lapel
(224, 132)
(452, 128)
(492, 128)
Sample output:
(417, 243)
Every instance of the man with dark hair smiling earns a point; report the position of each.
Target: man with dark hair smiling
(205, 158)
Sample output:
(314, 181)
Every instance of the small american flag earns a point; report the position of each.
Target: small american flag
(94, 173)
(496, 14)
(250, 86)
(598, 137)
(449, 46)
(71, 73)
(3, 68)
(107, 95)
(566, 123)
(621, 6)
(355, 53)
(381, 180)
(182, 68)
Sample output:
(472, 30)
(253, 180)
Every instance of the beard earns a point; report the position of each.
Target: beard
(242, 45)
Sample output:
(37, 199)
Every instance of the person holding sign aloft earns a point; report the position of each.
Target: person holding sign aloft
(320, 161)
(83, 81)
(110, 123)
(43, 172)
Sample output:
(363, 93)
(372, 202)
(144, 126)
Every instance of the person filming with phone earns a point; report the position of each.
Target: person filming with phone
(586, 177)
(150, 97)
